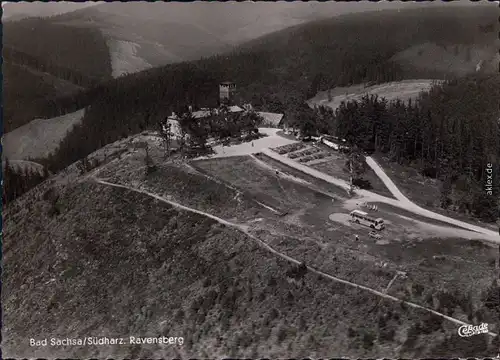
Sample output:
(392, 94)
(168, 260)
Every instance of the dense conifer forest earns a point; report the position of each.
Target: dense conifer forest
(43, 61)
(451, 133)
(23, 103)
(83, 50)
(16, 181)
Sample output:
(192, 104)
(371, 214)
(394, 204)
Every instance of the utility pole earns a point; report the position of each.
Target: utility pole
(168, 138)
(351, 170)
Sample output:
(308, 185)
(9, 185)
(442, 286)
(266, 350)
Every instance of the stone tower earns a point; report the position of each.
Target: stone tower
(227, 90)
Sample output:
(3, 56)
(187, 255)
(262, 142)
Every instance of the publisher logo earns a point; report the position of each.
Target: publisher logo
(470, 330)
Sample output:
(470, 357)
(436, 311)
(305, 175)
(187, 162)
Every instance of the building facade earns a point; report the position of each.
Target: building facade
(227, 91)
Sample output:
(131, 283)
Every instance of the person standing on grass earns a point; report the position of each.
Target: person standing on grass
(357, 237)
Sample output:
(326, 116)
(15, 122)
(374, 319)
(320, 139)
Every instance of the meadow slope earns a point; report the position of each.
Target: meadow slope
(105, 261)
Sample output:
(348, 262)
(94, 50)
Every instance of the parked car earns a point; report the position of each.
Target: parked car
(375, 235)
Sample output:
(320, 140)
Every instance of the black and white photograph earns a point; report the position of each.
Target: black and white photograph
(251, 180)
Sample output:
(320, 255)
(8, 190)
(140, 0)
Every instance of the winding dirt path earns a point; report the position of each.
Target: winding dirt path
(245, 229)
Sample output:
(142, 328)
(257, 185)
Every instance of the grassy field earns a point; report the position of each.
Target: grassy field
(101, 261)
(124, 58)
(317, 183)
(40, 137)
(244, 173)
(175, 182)
(403, 90)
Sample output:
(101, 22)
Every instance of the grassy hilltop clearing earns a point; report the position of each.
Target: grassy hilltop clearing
(130, 264)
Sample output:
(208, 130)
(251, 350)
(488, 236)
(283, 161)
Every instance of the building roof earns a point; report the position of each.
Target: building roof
(235, 108)
(330, 144)
(271, 118)
(206, 112)
(201, 114)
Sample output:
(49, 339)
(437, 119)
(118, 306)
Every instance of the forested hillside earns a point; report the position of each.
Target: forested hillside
(273, 73)
(20, 10)
(44, 61)
(167, 32)
(361, 47)
(81, 50)
(28, 90)
(17, 181)
(17, 95)
(451, 133)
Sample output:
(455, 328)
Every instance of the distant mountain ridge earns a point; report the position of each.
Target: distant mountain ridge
(145, 34)
(278, 71)
(13, 11)
(293, 63)
(93, 44)
(440, 40)
(162, 33)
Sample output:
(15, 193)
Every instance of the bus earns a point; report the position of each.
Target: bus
(361, 217)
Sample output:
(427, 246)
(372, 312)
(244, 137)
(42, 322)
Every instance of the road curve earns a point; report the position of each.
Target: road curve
(400, 200)
(244, 229)
(411, 206)
(386, 179)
